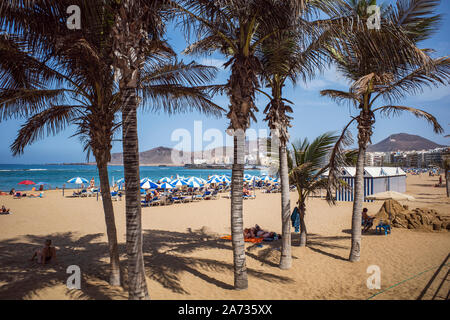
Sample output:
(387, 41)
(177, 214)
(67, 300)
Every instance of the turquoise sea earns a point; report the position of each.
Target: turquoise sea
(57, 175)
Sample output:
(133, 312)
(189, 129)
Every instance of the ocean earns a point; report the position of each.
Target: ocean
(57, 175)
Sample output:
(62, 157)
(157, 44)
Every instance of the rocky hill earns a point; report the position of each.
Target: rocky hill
(403, 142)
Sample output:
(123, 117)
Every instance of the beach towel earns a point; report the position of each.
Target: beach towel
(253, 240)
(295, 218)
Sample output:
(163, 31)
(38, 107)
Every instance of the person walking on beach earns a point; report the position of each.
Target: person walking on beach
(46, 254)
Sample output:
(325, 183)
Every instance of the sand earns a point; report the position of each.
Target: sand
(186, 259)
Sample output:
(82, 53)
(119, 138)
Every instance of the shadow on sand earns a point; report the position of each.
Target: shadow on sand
(167, 255)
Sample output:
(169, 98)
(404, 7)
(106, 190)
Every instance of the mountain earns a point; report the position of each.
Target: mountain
(403, 142)
(163, 155)
(159, 155)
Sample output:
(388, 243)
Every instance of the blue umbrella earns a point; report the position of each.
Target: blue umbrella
(225, 179)
(145, 179)
(214, 180)
(78, 180)
(195, 179)
(194, 184)
(166, 185)
(165, 179)
(178, 183)
(149, 185)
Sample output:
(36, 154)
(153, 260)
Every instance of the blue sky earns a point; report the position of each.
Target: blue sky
(313, 114)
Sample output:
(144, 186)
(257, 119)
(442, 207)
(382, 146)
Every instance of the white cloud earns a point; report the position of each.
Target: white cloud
(431, 94)
(218, 63)
(329, 79)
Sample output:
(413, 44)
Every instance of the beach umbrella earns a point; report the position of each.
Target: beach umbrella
(165, 179)
(149, 185)
(203, 181)
(266, 179)
(166, 185)
(120, 181)
(178, 183)
(214, 180)
(195, 179)
(145, 179)
(390, 195)
(78, 180)
(26, 182)
(194, 184)
(225, 179)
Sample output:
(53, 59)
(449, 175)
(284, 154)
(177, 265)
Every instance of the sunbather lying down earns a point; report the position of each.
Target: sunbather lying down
(257, 232)
(46, 254)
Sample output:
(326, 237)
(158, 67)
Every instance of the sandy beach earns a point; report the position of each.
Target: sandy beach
(186, 259)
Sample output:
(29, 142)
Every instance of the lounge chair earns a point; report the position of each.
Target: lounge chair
(382, 226)
(249, 196)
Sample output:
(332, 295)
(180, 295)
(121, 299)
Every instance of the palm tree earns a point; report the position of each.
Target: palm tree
(309, 171)
(235, 28)
(384, 63)
(86, 63)
(79, 63)
(295, 52)
(138, 52)
(138, 27)
(446, 167)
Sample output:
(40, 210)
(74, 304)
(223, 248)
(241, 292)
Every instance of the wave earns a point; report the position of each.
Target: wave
(15, 170)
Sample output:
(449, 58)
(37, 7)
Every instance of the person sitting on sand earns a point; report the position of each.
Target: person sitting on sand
(12, 192)
(46, 254)
(246, 192)
(4, 210)
(367, 220)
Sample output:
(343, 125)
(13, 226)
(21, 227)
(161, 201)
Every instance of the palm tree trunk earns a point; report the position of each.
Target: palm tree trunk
(303, 231)
(357, 206)
(447, 184)
(136, 272)
(237, 221)
(111, 232)
(286, 257)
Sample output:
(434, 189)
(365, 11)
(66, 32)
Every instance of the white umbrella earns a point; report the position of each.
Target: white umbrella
(149, 185)
(195, 179)
(145, 179)
(78, 180)
(214, 180)
(165, 179)
(194, 184)
(390, 195)
(166, 185)
(225, 179)
(178, 183)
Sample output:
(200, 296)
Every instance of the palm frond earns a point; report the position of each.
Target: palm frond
(396, 110)
(48, 122)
